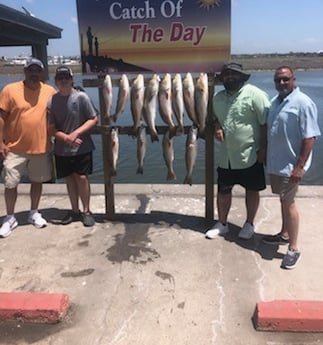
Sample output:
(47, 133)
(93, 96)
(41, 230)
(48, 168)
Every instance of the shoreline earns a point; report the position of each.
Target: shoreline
(18, 69)
(250, 63)
(270, 63)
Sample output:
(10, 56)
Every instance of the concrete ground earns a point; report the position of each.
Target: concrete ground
(149, 277)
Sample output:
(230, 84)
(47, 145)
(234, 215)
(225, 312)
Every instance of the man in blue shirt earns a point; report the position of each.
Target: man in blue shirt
(292, 129)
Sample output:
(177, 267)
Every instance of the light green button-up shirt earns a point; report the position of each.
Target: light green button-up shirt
(241, 115)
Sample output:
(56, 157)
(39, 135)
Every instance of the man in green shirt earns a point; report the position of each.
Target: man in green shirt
(240, 114)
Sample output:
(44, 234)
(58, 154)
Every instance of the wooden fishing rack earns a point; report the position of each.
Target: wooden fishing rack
(105, 131)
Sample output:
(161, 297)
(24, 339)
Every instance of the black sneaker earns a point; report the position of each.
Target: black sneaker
(88, 219)
(71, 217)
(275, 239)
(291, 258)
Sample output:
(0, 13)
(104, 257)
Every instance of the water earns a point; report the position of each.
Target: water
(155, 171)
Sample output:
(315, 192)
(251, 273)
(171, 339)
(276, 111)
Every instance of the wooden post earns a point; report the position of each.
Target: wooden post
(209, 156)
(106, 143)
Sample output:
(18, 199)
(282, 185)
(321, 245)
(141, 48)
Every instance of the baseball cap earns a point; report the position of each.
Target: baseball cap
(34, 61)
(63, 70)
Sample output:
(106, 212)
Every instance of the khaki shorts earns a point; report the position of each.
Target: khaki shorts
(281, 185)
(39, 168)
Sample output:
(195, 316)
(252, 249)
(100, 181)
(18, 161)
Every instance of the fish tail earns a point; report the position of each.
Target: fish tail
(154, 137)
(114, 117)
(195, 124)
(180, 130)
(134, 131)
(172, 132)
(106, 120)
(188, 180)
(201, 133)
(140, 170)
(171, 175)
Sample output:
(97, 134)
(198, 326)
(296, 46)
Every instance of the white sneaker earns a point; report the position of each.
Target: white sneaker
(9, 223)
(37, 220)
(217, 230)
(247, 231)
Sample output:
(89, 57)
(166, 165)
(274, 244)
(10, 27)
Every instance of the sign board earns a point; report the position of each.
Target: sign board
(154, 35)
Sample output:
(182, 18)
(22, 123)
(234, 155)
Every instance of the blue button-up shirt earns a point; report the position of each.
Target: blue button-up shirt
(289, 123)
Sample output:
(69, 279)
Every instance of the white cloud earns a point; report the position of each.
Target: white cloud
(310, 40)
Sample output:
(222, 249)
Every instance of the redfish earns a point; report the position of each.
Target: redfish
(137, 101)
(150, 106)
(201, 101)
(190, 153)
(165, 103)
(178, 101)
(123, 95)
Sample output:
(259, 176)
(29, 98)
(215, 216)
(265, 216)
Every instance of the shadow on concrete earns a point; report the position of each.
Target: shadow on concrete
(156, 218)
(15, 332)
(162, 218)
(137, 226)
(266, 251)
(27, 333)
(48, 213)
(134, 245)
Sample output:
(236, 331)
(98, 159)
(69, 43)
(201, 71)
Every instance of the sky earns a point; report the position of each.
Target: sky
(257, 26)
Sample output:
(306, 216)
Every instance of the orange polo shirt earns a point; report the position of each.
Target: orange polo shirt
(25, 129)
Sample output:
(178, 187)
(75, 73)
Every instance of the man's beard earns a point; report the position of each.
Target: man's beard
(233, 85)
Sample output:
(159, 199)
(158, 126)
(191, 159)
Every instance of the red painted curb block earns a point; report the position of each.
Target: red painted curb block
(33, 307)
(291, 316)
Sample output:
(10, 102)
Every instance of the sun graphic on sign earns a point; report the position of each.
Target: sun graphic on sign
(207, 4)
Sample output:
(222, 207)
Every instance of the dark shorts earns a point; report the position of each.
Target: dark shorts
(80, 164)
(252, 178)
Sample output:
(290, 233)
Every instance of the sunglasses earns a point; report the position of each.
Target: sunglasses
(63, 77)
(284, 79)
(34, 70)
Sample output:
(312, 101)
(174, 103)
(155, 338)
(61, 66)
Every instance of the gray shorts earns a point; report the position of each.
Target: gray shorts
(39, 168)
(281, 185)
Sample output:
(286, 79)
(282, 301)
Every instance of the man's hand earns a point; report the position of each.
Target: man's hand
(261, 156)
(296, 175)
(218, 132)
(72, 139)
(3, 150)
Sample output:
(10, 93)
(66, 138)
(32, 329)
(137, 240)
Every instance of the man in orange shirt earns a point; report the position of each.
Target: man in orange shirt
(24, 143)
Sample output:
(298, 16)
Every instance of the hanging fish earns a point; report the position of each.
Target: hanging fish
(114, 150)
(107, 96)
(141, 148)
(150, 106)
(137, 101)
(165, 103)
(168, 154)
(123, 95)
(189, 100)
(190, 153)
(178, 101)
(201, 101)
